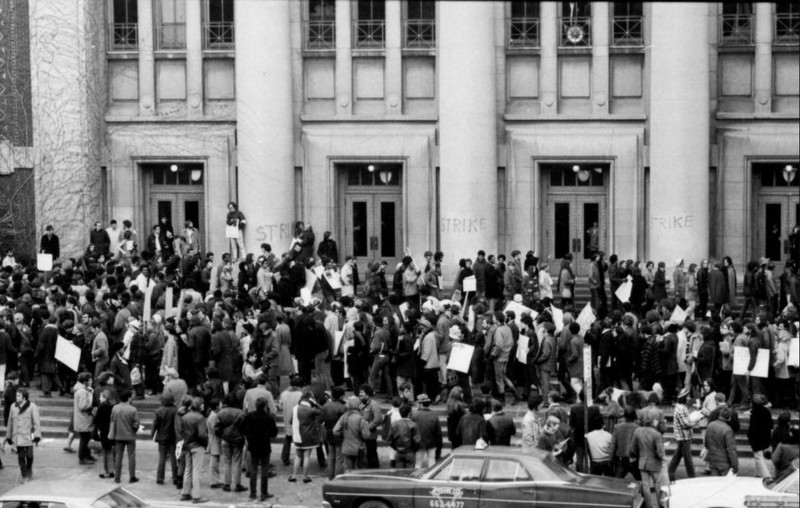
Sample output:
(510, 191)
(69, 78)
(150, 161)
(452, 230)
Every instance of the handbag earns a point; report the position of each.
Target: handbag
(136, 376)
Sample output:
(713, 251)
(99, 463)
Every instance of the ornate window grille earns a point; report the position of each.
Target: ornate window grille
(627, 31)
(369, 34)
(171, 36)
(218, 35)
(320, 34)
(419, 34)
(787, 28)
(736, 29)
(523, 33)
(123, 36)
(576, 32)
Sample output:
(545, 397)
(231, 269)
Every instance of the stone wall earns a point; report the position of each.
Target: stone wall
(69, 96)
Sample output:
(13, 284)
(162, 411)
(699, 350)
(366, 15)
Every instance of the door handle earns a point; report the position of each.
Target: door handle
(578, 242)
(528, 491)
(373, 243)
(786, 246)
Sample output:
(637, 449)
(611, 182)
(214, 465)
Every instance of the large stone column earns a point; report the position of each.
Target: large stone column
(265, 125)
(679, 133)
(147, 63)
(467, 130)
(68, 90)
(763, 74)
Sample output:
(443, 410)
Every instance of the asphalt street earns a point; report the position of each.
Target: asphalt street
(51, 462)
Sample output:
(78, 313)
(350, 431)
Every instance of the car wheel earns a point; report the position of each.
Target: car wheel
(373, 503)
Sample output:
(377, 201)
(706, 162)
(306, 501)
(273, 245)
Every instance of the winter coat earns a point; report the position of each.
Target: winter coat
(193, 431)
(24, 424)
(721, 445)
(668, 350)
(124, 422)
(332, 411)
(305, 426)
(430, 429)
(229, 426)
(223, 349)
(353, 430)
(259, 429)
(46, 349)
(164, 422)
(717, 288)
(647, 446)
(283, 336)
(82, 410)
(760, 430)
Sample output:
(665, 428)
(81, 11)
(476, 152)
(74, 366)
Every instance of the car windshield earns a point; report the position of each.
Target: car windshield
(118, 499)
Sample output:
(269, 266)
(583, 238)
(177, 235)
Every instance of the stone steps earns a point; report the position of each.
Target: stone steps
(55, 414)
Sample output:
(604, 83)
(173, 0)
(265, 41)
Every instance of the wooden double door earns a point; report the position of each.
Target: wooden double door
(575, 224)
(178, 207)
(373, 228)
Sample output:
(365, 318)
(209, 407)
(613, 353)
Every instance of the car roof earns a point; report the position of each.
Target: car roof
(502, 451)
(58, 490)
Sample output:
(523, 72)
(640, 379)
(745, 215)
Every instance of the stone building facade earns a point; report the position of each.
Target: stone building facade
(452, 126)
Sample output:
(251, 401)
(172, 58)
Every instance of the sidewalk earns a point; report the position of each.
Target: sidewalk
(50, 462)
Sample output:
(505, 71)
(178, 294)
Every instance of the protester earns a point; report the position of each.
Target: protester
(24, 431)
(259, 428)
(123, 429)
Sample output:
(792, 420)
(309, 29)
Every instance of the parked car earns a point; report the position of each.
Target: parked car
(495, 477)
(69, 494)
(735, 492)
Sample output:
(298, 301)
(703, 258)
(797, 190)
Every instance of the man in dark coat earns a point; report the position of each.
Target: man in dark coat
(199, 341)
(223, 351)
(46, 356)
(717, 288)
(99, 238)
(430, 431)
(259, 429)
(328, 249)
(500, 426)
(49, 243)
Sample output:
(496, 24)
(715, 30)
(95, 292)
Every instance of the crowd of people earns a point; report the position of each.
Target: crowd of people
(228, 346)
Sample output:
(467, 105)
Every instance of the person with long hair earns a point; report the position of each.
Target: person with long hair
(455, 410)
(565, 284)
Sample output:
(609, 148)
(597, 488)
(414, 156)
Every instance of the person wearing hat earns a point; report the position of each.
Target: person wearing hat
(683, 437)
(430, 432)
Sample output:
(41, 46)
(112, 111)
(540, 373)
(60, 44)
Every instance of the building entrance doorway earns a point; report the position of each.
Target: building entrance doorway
(372, 225)
(575, 215)
(777, 211)
(175, 191)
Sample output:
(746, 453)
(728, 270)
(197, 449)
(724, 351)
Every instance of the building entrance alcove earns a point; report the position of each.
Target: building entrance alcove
(174, 190)
(370, 218)
(574, 213)
(777, 210)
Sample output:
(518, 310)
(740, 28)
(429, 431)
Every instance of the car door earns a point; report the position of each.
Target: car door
(506, 482)
(455, 485)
